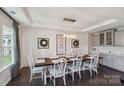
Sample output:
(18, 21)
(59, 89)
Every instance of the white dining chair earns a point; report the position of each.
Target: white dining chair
(34, 70)
(94, 52)
(58, 69)
(92, 64)
(75, 67)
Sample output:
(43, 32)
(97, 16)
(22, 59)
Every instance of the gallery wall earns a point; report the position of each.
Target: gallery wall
(28, 42)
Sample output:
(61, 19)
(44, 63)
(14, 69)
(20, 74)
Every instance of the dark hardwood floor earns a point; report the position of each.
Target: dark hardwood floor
(105, 77)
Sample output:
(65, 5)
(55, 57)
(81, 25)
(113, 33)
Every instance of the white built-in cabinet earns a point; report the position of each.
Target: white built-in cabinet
(104, 38)
(113, 61)
(106, 60)
(118, 63)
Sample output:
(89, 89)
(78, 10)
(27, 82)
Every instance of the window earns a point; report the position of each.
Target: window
(6, 41)
(8, 49)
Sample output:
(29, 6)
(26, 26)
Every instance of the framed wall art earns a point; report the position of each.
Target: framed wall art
(75, 43)
(60, 44)
(43, 43)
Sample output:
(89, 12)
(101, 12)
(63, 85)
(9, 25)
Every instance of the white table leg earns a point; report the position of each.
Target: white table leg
(45, 76)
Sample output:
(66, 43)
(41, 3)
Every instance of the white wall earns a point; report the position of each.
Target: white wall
(5, 75)
(29, 43)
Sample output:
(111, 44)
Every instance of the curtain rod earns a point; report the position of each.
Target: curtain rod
(8, 15)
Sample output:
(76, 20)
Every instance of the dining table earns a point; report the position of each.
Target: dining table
(48, 61)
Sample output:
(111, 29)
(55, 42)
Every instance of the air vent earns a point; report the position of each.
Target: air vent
(69, 20)
(12, 12)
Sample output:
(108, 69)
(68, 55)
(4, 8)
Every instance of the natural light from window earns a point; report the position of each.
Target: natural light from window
(7, 57)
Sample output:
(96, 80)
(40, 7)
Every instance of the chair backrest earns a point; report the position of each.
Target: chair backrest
(74, 53)
(95, 59)
(71, 53)
(76, 63)
(94, 52)
(59, 66)
(30, 61)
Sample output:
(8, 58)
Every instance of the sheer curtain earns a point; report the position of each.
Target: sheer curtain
(9, 43)
(16, 65)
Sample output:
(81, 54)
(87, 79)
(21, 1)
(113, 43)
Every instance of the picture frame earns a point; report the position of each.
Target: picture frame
(43, 43)
(75, 43)
(60, 44)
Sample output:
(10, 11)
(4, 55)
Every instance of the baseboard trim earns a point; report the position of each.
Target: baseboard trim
(112, 68)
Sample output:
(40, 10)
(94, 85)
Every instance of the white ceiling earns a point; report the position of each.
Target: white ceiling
(87, 18)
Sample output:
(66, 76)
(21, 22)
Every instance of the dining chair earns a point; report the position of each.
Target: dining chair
(58, 69)
(34, 70)
(75, 67)
(91, 64)
(94, 52)
(73, 53)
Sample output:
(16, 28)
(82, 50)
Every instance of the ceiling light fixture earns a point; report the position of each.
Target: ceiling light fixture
(69, 20)
(69, 35)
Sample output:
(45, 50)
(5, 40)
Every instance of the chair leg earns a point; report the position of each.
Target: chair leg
(30, 78)
(91, 72)
(42, 76)
(64, 80)
(54, 81)
(80, 74)
(50, 77)
(73, 76)
(96, 71)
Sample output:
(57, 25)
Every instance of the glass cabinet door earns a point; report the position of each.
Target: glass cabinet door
(102, 39)
(109, 38)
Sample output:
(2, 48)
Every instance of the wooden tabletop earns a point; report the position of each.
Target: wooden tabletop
(48, 61)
